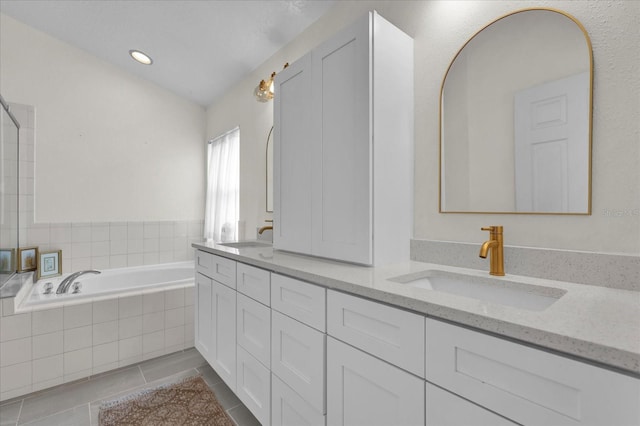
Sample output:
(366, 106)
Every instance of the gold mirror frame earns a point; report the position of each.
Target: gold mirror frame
(590, 124)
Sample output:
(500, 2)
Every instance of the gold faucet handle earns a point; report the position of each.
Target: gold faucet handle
(496, 229)
(491, 229)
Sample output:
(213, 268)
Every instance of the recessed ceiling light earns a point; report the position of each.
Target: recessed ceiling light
(141, 57)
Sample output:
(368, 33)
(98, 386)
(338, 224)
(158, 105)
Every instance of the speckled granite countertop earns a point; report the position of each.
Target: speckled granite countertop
(590, 322)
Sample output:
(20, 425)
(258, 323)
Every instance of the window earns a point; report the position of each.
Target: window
(223, 187)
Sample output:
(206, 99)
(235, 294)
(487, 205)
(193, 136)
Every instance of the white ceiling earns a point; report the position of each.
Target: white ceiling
(200, 48)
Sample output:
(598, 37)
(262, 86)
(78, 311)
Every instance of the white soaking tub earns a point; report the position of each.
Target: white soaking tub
(110, 283)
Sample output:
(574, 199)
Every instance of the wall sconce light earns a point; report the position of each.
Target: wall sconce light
(264, 90)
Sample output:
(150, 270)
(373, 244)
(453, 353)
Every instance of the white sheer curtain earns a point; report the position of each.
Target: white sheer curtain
(223, 187)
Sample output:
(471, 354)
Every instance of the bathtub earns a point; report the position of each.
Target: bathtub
(120, 317)
(110, 283)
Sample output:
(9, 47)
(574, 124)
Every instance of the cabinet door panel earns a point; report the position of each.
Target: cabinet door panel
(292, 156)
(224, 271)
(297, 299)
(254, 386)
(254, 328)
(204, 263)
(363, 390)
(254, 282)
(289, 409)
(389, 333)
(223, 358)
(447, 409)
(297, 357)
(218, 268)
(527, 385)
(203, 316)
(342, 155)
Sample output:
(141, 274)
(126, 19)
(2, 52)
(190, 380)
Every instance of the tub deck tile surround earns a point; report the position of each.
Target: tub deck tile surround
(78, 403)
(612, 337)
(47, 347)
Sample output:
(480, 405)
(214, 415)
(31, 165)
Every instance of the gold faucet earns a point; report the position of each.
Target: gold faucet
(264, 228)
(496, 261)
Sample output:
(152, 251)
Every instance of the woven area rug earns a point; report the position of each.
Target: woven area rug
(187, 402)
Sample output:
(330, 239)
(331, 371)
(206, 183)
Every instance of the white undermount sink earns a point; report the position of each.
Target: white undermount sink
(246, 244)
(488, 289)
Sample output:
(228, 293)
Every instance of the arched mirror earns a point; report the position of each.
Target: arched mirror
(515, 118)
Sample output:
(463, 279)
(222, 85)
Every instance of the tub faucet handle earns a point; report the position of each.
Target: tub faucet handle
(66, 283)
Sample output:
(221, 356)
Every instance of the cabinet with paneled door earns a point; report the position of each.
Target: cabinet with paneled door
(312, 355)
(253, 336)
(298, 347)
(343, 138)
(215, 313)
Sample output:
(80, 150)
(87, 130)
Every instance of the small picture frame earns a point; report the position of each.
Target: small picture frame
(7, 259)
(27, 259)
(49, 264)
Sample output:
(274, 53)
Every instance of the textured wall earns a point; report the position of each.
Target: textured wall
(440, 28)
(615, 223)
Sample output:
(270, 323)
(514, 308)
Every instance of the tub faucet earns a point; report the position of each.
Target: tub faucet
(66, 283)
(494, 248)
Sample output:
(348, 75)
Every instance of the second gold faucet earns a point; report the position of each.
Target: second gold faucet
(495, 249)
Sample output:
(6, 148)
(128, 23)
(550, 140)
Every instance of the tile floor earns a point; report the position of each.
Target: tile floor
(78, 403)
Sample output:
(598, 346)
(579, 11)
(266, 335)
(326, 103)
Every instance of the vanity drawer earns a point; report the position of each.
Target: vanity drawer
(527, 385)
(253, 331)
(297, 299)
(215, 267)
(254, 282)
(392, 334)
(298, 358)
(204, 262)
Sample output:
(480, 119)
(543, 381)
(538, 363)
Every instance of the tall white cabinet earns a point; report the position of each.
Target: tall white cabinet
(343, 141)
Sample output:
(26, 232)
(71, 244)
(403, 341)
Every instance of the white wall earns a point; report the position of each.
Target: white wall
(109, 146)
(440, 29)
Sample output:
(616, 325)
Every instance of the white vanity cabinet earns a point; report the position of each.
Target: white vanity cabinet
(290, 409)
(527, 385)
(446, 409)
(253, 336)
(215, 313)
(366, 379)
(296, 353)
(343, 118)
(254, 386)
(223, 349)
(363, 390)
(203, 320)
(298, 338)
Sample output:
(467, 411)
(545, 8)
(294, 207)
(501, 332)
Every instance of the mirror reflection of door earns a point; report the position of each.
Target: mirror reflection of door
(551, 146)
(522, 50)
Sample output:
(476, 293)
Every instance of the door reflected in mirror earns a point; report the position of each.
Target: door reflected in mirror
(515, 118)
